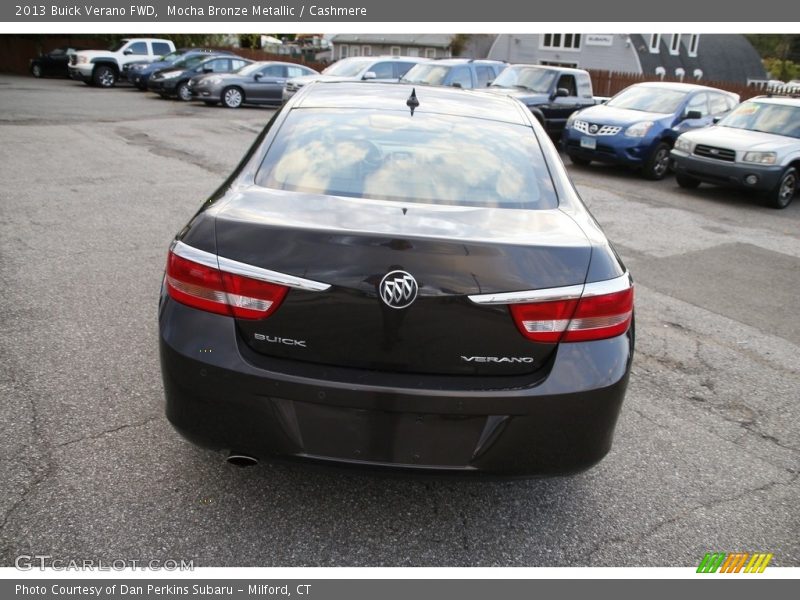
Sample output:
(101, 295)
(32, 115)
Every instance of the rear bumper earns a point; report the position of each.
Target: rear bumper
(725, 173)
(218, 399)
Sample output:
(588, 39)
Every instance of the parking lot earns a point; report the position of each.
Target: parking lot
(95, 183)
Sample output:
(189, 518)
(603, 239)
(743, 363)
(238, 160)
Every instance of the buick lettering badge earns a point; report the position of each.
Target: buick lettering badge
(593, 128)
(398, 289)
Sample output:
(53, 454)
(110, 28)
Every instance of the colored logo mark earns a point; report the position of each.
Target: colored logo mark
(737, 562)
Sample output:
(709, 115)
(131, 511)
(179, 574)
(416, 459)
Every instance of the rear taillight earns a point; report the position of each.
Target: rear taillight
(602, 311)
(208, 288)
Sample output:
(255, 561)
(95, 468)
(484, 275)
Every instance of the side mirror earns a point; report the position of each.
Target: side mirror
(488, 83)
(716, 120)
(208, 70)
(562, 93)
(369, 75)
(128, 52)
(257, 76)
(694, 114)
(455, 84)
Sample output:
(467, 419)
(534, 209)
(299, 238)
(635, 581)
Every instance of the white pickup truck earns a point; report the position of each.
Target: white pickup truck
(104, 67)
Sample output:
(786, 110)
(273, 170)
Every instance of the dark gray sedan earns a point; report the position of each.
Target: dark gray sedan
(257, 83)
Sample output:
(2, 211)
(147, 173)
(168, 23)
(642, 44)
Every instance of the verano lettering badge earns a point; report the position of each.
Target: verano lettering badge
(398, 289)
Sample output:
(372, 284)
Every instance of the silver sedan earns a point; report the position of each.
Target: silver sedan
(257, 83)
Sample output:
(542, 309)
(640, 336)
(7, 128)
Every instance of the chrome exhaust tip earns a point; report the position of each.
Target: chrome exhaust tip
(241, 460)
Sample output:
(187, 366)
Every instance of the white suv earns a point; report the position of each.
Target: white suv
(756, 146)
(103, 67)
(355, 68)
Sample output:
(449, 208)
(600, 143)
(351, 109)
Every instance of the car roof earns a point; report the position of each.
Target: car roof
(785, 100)
(464, 61)
(548, 68)
(393, 96)
(683, 87)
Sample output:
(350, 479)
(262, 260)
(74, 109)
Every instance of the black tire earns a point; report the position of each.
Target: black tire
(657, 165)
(183, 92)
(686, 181)
(577, 160)
(37, 71)
(104, 76)
(783, 193)
(232, 97)
(210, 102)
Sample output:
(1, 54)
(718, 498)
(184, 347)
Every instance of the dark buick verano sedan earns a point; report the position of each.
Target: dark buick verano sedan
(398, 278)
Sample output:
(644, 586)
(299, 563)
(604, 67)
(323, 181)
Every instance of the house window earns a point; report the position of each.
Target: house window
(395, 51)
(693, 43)
(655, 43)
(366, 50)
(430, 52)
(344, 51)
(355, 51)
(561, 41)
(412, 51)
(675, 44)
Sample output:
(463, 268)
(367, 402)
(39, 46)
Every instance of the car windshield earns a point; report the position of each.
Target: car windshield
(779, 119)
(251, 68)
(648, 99)
(392, 155)
(527, 78)
(347, 67)
(187, 62)
(172, 56)
(427, 74)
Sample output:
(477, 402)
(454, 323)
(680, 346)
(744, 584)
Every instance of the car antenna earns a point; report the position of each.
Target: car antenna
(412, 101)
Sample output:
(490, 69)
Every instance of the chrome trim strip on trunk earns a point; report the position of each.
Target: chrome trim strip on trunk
(239, 268)
(569, 292)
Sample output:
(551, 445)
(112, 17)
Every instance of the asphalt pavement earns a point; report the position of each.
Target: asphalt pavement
(95, 183)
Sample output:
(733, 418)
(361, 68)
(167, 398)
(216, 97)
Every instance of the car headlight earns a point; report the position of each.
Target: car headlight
(570, 121)
(639, 129)
(683, 145)
(170, 74)
(763, 158)
(82, 59)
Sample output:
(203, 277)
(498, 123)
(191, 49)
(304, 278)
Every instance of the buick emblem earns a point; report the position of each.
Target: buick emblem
(593, 128)
(398, 289)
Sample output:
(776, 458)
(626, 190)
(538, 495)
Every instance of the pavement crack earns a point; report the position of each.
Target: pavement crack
(106, 433)
(711, 503)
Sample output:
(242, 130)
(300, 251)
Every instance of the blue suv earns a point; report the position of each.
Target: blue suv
(638, 126)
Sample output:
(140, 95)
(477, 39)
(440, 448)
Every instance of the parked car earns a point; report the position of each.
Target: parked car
(455, 72)
(257, 83)
(638, 126)
(54, 63)
(139, 72)
(357, 68)
(173, 82)
(398, 277)
(103, 67)
(755, 147)
(551, 93)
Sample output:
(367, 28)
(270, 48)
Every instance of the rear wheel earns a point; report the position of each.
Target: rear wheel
(577, 160)
(686, 181)
(36, 71)
(183, 91)
(104, 76)
(232, 97)
(657, 166)
(783, 193)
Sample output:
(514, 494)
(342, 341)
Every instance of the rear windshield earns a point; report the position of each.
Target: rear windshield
(430, 74)
(427, 158)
